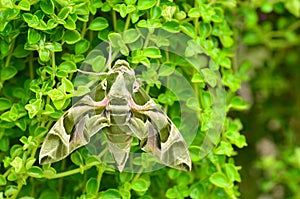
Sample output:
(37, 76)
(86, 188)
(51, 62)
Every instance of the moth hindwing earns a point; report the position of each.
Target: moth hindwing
(125, 110)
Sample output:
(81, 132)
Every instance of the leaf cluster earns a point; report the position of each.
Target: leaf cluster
(44, 42)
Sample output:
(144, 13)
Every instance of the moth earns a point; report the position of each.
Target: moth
(121, 107)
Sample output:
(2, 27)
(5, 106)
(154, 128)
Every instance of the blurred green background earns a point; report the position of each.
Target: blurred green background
(271, 43)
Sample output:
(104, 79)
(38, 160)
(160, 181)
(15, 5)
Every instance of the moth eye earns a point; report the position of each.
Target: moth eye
(104, 85)
(136, 86)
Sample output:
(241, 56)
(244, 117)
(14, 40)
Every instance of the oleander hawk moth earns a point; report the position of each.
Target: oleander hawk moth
(121, 106)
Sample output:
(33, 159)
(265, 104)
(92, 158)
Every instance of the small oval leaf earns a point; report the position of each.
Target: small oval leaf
(8, 72)
(219, 179)
(99, 23)
(92, 186)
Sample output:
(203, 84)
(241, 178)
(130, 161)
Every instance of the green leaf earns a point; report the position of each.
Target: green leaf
(204, 29)
(35, 172)
(218, 17)
(171, 26)
(140, 185)
(115, 39)
(12, 177)
(29, 162)
(155, 12)
(39, 131)
(4, 144)
(149, 23)
(197, 190)
(230, 80)
(17, 163)
(77, 158)
(4, 104)
(8, 73)
(109, 194)
(63, 13)
(238, 103)
(210, 76)
(122, 9)
(20, 52)
(92, 186)
(197, 78)
(49, 194)
(10, 190)
(192, 103)
(44, 55)
(54, 47)
(130, 2)
(219, 179)
(24, 5)
(131, 36)
(293, 6)
(125, 177)
(251, 38)
(232, 172)
(82, 46)
(152, 52)
(70, 23)
(47, 6)
(21, 123)
(4, 47)
(173, 173)
(145, 4)
(49, 172)
(167, 98)
(72, 36)
(225, 148)
(177, 192)
(68, 66)
(98, 63)
(184, 179)
(68, 86)
(166, 69)
(188, 29)
(99, 23)
(226, 40)
(56, 94)
(194, 13)
(34, 107)
(2, 180)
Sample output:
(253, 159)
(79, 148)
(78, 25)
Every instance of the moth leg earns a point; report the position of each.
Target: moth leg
(138, 127)
(149, 105)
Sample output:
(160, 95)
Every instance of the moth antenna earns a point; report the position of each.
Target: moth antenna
(92, 73)
(108, 64)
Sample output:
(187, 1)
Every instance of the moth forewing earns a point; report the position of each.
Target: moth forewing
(72, 130)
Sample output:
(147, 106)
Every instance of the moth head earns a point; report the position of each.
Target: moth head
(123, 67)
(121, 79)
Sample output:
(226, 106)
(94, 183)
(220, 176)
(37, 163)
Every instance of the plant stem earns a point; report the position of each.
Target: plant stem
(72, 172)
(83, 31)
(127, 22)
(10, 53)
(31, 73)
(138, 174)
(114, 17)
